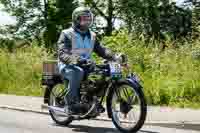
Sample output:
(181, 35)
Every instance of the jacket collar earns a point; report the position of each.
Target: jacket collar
(83, 34)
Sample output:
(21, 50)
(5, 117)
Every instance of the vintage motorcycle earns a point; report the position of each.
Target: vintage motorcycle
(105, 83)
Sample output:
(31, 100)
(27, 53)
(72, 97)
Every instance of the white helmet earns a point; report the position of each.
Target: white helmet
(82, 18)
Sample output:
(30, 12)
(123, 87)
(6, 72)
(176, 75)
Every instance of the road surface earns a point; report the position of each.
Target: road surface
(24, 122)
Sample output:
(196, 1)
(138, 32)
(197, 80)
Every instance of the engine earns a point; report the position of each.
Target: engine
(93, 85)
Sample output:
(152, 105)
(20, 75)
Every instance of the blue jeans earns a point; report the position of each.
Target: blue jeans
(74, 75)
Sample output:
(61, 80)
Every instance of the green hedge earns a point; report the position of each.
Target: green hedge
(169, 77)
(20, 72)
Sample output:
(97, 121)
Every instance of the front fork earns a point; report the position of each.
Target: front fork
(133, 79)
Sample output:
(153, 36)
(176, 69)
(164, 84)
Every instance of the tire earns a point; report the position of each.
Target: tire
(64, 122)
(143, 107)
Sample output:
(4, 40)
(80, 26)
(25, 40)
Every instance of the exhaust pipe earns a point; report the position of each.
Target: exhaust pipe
(61, 111)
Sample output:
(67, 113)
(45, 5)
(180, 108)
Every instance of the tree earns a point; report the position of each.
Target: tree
(105, 9)
(59, 17)
(40, 20)
(141, 16)
(196, 19)
(177, 21)
(156, 17)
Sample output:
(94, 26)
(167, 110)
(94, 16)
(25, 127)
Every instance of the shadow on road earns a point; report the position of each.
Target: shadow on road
(183, 126)
(89, 129)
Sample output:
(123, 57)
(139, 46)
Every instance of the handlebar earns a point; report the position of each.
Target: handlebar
(92, 67)
(103, 66)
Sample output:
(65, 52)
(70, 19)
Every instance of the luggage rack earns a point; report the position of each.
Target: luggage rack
(50, 73)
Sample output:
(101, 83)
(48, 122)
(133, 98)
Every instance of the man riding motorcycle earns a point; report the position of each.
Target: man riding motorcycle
(75, 45)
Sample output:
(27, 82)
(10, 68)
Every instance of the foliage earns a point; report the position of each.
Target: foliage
(21, 71)
(169, 77)
(106, 10)
(156, 17)
(195, 20)
(43, 20)
(169, 69)
(40, 20)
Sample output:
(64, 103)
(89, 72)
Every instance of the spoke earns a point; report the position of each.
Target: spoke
(118, 94)
(59, 91)
(132, 99)
(61, 94)
(126, 92)
(54, 101)
(120, 117)
(113, 101)
(133, 115)
(116, 111)
(125, 116)
(116, 117)
(53, 92)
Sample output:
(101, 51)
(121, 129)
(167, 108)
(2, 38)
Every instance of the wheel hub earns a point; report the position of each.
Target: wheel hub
(124, 107)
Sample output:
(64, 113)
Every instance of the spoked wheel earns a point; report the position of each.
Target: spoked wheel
(56, 99)
(127, 107)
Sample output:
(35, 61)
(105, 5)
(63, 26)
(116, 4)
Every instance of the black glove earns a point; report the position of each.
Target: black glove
(72, 59)
(121, 58)
(82, 61)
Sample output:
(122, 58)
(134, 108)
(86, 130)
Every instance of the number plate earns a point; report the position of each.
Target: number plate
(115, 70)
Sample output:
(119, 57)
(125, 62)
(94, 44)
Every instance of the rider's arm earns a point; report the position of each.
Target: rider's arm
(64, 48)
(102, 51)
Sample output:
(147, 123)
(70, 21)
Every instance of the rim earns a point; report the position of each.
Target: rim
(57, 100)
(126, 107)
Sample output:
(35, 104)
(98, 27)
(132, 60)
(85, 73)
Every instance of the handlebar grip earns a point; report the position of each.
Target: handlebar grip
(102, 66)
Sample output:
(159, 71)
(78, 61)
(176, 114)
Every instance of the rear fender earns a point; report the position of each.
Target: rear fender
(47, 92)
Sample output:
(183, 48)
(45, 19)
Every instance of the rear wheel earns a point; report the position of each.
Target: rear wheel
(127, 106)
(56, 99)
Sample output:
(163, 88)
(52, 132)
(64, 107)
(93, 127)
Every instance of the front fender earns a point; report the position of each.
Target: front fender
(135, 81)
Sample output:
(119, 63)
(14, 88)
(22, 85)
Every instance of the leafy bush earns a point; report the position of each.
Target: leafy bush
(169, 77)
(20, 72)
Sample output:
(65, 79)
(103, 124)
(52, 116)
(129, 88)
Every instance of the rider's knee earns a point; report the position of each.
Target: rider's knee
(79, 71)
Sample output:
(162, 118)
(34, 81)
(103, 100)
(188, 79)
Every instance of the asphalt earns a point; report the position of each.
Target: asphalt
(19, 122)
(155, 115)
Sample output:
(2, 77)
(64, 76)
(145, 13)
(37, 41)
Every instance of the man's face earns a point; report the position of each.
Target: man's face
(85, 21)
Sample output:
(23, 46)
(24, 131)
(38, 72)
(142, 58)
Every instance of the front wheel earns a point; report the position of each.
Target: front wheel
(127, 107)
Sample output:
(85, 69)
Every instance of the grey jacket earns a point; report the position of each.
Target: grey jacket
(65, 47)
